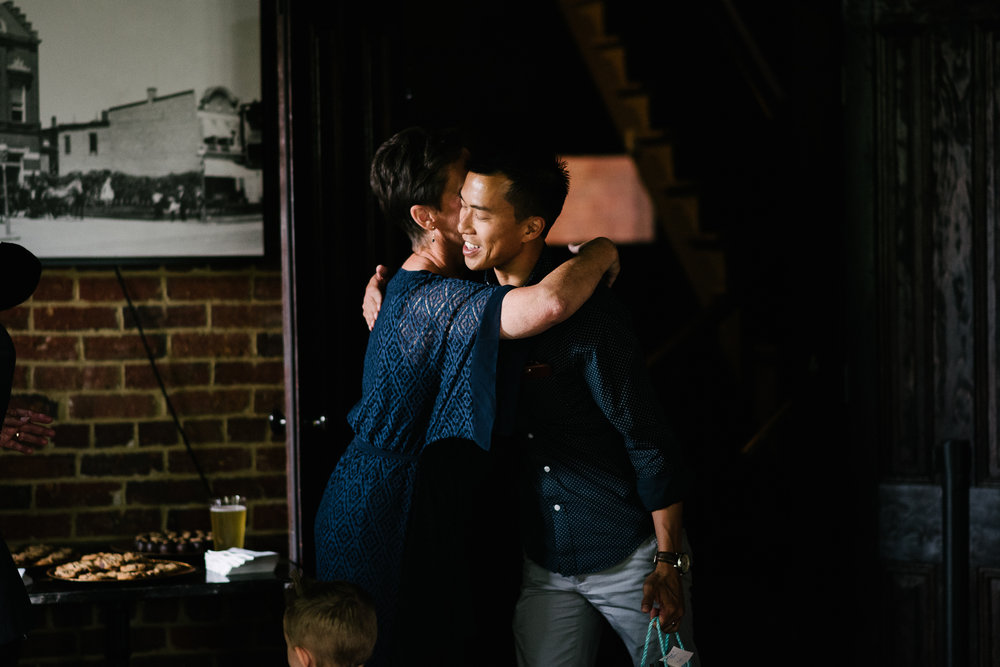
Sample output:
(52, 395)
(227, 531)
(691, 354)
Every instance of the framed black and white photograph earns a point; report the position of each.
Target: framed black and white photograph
(132, 129)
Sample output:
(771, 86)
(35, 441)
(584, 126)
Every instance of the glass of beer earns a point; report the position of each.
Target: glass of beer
(229, 521)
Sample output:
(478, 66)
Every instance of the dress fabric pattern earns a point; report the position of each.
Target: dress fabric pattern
(429, 375)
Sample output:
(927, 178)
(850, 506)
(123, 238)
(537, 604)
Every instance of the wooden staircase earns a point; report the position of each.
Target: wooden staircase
(698, 251)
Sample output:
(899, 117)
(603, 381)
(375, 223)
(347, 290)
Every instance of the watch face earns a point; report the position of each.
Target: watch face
(683, 563)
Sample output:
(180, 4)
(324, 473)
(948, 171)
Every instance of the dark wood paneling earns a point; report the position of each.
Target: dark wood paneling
(935, 83)
(989, 615)
(986, 139)
(905, 250)
(910, 622)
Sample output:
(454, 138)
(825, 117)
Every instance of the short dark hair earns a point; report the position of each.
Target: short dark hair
(539, 178)
(333, 620)
(411, 167)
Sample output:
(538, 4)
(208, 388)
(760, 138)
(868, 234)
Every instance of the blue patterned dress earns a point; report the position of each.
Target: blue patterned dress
(429, 375)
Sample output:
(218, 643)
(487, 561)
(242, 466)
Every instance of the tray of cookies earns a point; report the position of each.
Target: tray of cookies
(105, 566)
(41, 556)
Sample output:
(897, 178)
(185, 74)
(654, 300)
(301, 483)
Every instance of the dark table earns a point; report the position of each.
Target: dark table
(117, 597)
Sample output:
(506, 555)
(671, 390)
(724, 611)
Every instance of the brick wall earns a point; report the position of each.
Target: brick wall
(118, 466)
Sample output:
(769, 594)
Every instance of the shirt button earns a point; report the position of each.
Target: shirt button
(546, 468)
(557, 507)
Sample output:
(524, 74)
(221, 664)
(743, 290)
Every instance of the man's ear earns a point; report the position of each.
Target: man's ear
(423, 216)
(304, 656)
(533, 228)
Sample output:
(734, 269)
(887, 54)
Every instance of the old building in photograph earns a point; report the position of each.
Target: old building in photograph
(19, 121)
(160, 135)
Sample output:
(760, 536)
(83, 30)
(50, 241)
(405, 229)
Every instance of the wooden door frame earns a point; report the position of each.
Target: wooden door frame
(329, 111)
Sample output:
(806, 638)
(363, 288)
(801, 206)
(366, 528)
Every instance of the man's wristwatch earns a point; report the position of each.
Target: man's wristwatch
(679, 560)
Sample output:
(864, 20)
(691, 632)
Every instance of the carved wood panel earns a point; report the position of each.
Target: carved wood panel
(986, 142)
(936, 88)
(989, 615)
(909, 635)
(937, 104)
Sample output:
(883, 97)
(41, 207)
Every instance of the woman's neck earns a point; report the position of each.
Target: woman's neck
(434, 260)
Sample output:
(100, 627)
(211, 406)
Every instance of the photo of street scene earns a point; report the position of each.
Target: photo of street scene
(131, 129)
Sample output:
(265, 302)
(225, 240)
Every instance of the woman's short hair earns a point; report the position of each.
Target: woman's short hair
(411, 168)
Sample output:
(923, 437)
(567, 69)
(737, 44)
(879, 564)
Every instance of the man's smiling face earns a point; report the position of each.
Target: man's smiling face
(492, 233)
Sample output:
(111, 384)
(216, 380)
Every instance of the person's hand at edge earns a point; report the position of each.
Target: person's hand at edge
(612, 273)
(663, 595)
(374, 291)
(24, 430)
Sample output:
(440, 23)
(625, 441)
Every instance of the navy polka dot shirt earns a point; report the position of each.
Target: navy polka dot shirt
(594, 452)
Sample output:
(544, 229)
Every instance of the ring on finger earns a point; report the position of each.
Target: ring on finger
(17, 436)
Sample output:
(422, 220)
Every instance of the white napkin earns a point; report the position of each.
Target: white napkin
(240, 561)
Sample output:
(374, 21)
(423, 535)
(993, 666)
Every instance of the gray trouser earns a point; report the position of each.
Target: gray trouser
(557, 621)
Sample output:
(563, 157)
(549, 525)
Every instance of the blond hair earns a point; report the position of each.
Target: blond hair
(334, 620)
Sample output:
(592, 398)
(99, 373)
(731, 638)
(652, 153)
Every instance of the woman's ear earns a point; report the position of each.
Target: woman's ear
(423, 216)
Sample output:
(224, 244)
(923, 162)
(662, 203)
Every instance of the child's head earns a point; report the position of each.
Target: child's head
(328, 624)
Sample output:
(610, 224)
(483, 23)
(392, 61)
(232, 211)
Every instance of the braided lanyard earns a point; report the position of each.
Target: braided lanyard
(664, 638)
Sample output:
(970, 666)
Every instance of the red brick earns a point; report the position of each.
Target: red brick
(114, 435)
(68, 318)
(190, 519)
(37, 466)
(14, 497)
(25, 527)
(266, 401)
(245, 372)
(76, 494)
(147, 638)
(188, 345)
(72, 615)
(270, 517)
(203, 431)
(121, 464)
(53, 287)
(246, 316)
(271, 459)
(74, 436)
(128, 346)
(124, 522)
(208, 287)
(77, 377)
(90, 406)
(140, 288)
(268, 286)
(21, 378)
(207, 611)
(255, 487)
(218, 402)
(37, 402)
(189, 637)
(47, 644)
(166, 317)
(164, 491)
(16, 318)
(158, 433)
(159, 610)
(211, 460)
(187, 659)
(270, 345)
(46, 348)
(254, 429)
(173, 374)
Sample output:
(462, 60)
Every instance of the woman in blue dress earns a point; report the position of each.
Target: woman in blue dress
(430, 367)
